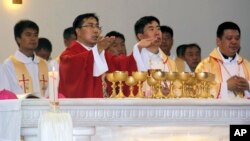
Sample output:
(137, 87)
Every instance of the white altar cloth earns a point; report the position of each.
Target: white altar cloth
(10, 120)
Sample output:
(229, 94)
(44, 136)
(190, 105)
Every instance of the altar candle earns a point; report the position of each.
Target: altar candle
(53, 85)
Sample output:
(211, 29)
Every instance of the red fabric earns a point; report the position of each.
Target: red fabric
(76, 71)
(5, 94)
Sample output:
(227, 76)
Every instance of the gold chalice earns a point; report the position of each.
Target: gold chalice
(184, 76)
(159, 76)
(152, 83)
(140, 76)
(171, 77)
(120, 76)
(131, 82)
(110, 78)
(204, 77)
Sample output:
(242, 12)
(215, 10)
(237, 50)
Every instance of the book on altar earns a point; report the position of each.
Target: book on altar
(28, 96)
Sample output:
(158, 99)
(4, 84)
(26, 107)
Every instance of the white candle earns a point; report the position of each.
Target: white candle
(53, 85)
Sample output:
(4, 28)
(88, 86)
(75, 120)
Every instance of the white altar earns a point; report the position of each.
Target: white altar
(142, 119)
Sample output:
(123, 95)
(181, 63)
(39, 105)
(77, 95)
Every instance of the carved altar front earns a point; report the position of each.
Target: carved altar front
(137, 119)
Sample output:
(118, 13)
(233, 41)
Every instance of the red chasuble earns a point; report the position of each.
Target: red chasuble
(76, 71)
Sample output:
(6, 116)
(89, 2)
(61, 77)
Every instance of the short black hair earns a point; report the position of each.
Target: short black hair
(78, 22)
(167, 29)
(22, 25)
(68, 32)
(142, 22)
(116, 34)
(45, 44)
(180, 50)
(226, 25)
(192, 45)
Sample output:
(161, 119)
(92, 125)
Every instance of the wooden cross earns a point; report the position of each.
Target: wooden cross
(23, 80)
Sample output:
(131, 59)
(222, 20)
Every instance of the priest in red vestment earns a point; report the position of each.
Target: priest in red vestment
(84, 63)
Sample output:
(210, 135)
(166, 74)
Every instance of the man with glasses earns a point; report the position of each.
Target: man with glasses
(82, 64)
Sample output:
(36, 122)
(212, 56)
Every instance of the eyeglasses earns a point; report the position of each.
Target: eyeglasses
(92, 26)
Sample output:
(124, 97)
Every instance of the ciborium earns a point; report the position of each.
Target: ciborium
(120, 76)
(159, 76)
(205, 78)
(140, 76)
(171, 77)
(110, 77)
(131, 82)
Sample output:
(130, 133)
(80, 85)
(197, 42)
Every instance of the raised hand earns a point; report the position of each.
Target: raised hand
(149, 42)
(104, 43)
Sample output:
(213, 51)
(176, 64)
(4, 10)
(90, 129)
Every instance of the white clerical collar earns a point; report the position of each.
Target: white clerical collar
(229, 59)
(84, 46)
(23, 58)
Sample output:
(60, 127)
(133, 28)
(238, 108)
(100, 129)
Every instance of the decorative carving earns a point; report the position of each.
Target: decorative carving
(139, 112)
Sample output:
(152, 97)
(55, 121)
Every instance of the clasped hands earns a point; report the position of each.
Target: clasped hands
(237, 83)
